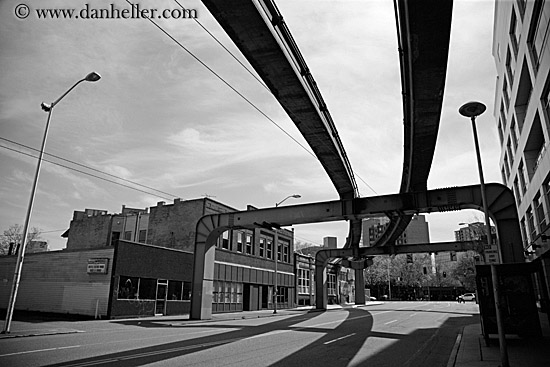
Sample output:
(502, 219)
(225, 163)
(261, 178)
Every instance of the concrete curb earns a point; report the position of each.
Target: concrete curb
(456, 347)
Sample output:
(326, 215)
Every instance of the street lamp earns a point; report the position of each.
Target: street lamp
(91, 77)
(276, 240)
(472, 110)
(295, 196)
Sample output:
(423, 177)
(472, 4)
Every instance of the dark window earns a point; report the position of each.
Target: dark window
(147, 288)
(262, 247)
(128, 287)
(175, 290)
(114, 237)
(239, 242)
(269, 248)
(186, 291)
(142, 235)
(128, 235)
(249, 249)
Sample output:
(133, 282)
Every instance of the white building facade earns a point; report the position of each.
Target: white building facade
(522, 111)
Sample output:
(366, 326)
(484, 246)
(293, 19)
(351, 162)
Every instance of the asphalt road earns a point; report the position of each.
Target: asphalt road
(393, 334)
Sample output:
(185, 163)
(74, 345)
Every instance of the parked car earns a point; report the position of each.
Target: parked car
(466, 297)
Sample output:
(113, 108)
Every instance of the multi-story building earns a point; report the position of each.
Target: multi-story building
(340, 280)
(522, 112)
(244, 267)
(416, 232)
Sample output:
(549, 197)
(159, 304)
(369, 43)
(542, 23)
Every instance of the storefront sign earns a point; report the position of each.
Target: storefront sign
(97, 266)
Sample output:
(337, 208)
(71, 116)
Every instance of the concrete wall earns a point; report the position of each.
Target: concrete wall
(58, 282)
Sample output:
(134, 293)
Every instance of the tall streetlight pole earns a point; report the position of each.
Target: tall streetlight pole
(276, 240)
(472, 110)
(92, 77)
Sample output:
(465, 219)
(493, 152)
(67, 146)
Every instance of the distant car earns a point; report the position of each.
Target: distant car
(466, 297)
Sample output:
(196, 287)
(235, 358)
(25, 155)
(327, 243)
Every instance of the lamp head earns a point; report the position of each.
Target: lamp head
(296, 196)
(472, 109)
(92, 77)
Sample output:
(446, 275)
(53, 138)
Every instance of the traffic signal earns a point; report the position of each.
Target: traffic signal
(409, 258)
(444, 274)
(425, 270)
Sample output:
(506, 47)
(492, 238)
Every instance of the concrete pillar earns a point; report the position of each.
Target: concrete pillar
(359, 287)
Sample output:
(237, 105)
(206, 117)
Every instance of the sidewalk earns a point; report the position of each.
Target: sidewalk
(471, 351)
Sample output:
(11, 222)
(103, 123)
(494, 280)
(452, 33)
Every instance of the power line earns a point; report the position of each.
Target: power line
(233, 88)
(87, 173)
(226, 49)
(88, 167)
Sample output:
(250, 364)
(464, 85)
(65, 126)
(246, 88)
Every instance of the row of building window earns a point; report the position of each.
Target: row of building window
(244, 243)
(537, 39)
(136, 288)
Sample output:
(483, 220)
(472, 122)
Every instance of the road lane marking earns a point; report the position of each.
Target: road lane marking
(335, 340)
(390, 322)
(39, 350)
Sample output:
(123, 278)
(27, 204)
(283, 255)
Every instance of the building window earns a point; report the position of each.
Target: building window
(282, 294)
(538, 31)
(517, 193)
(262, 247)
(514, 135)
(227, 292)
(503, 116)
(142, 236)
(331, 284)
(521, 172)
(114, 237)
(505, 93)
(506, 165)
(128, 287)
(286, 252)
(541, 218)
(179, 291)
(510, 153)
(269, 251)
(515, 32)
(535, 146)
(531, 223)
(509, 68)
(525, 87)
(545, 100)
(249, 249)
(303, 281)
(128, 235)
(279, 251)
(523, 232)
(239, 241)
(225, 240)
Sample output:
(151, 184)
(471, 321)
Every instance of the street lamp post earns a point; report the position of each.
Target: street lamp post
(92, 77)
(472, 110)
(276, 240)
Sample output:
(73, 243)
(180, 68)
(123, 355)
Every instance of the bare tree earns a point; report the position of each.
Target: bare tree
(13, 235)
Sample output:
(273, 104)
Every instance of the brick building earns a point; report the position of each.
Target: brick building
(244, 268)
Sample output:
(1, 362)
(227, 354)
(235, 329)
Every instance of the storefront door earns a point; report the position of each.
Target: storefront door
(160, 306)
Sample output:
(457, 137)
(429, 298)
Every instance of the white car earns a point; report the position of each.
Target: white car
(466, 297)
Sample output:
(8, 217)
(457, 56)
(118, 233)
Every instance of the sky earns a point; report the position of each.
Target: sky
(161, 119)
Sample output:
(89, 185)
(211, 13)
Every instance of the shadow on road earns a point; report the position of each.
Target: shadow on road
(343, 342)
